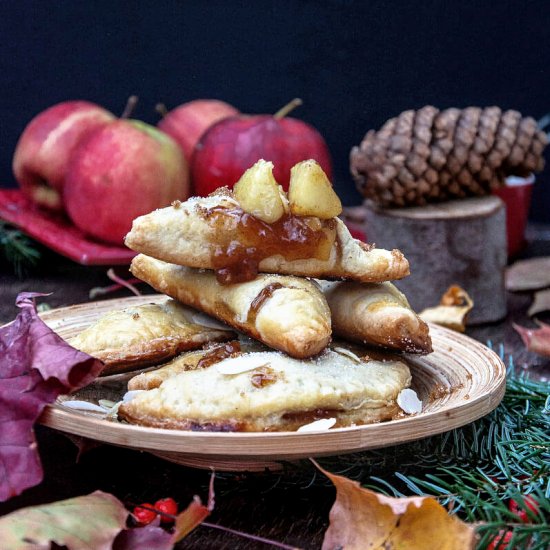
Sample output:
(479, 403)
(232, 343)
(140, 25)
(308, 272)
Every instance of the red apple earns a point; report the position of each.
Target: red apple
(234, 144)
(119, 172)
(43, 150)
(188, 122)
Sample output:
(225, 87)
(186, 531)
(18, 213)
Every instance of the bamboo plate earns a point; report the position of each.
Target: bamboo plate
(462, 380)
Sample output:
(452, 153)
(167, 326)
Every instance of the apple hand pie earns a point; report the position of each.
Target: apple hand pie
(286, 313)
(266, 390)
(377, 314)
(214, 232)
(146, 334)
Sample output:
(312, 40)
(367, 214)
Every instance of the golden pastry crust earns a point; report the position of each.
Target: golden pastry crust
(145, 335)
(270, 391)
(285, 313)
(376, 314)
(189, 361)
(184, 234)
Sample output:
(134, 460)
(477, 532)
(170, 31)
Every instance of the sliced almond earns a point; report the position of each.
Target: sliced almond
(83, 406)
(318, 425)
(245, 362)
(347, 353)
(408, 401)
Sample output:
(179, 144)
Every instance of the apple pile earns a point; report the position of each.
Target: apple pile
(103, 172)
(220, 143)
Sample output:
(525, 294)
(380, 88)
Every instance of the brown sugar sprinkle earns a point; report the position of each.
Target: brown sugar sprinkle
(176, 204)
(219, 353)
(293, 237)
(263, 376)
(135, 316)
(439, 392)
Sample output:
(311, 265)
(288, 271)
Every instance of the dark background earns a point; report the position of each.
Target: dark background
(355, 63)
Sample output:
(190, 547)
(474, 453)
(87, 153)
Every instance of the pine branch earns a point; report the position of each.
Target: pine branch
(17, 248)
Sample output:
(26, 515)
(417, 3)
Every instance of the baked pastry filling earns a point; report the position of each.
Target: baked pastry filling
(249, 240)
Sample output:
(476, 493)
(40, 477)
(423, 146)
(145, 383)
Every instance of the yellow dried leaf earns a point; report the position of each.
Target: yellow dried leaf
(361, 518)
(452, 310)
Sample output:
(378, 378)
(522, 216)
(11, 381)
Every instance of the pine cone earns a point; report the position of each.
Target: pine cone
(430, 155)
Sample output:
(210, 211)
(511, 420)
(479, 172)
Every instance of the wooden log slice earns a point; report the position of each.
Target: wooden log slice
(460, 242)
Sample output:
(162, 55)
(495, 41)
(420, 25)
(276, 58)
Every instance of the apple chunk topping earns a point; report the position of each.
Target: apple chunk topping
(245, 241)
(259, 194)
(265, 223)
(310, 192)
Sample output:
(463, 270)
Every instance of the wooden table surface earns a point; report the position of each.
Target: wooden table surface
(262, 504)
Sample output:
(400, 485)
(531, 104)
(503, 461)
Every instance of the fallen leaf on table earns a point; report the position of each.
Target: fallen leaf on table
(541, 302)
(95, 521)
(536, 340)
(194, 514)
(361, 519)
(452, 310)
(529, 274)
(36, 365)
(91, 521)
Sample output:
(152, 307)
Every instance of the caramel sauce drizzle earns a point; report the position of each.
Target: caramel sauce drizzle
(263, 377)
(219, 353)
(260, 300)
(293, 237)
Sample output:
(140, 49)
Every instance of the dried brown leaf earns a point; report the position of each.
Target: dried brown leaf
(529, 274)
(361, 518)
(452, 310)
(194, 514)
(536, 340)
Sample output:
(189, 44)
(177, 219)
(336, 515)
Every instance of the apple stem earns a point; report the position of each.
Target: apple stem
(161, 109)
(290, 106)
(130, 106)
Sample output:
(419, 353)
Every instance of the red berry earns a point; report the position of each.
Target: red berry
(144, 516)
(528, 502)
(167, 506)
(500, 541)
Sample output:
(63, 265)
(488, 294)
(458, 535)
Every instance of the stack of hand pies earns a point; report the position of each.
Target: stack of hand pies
(298, 313)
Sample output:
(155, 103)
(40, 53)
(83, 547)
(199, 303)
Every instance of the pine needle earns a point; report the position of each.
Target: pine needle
(18, 249)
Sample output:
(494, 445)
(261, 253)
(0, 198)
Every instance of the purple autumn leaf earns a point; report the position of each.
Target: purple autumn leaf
(536, 340)
(36, 365)
(144, 538)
